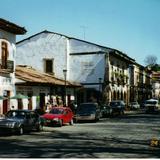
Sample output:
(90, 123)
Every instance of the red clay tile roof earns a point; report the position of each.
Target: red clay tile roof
(30, 75)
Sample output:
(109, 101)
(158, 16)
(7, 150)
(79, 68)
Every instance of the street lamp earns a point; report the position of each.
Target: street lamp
(100, 87)
(100, 82)
(65, 76)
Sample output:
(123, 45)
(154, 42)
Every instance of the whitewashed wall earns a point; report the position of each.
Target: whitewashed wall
(36, 90)
(81, 68)
(87, 67)
(45, 45)
(7, 83)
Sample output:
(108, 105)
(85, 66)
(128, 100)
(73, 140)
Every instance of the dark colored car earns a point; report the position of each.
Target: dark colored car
(117, 107)
(20, 121)
(105, 110)
(88, 111)
(59, 116)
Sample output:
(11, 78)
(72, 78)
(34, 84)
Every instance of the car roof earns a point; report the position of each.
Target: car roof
(117, 101)
(60, 108)
(21, 110)
(149, 100)
(89, 103)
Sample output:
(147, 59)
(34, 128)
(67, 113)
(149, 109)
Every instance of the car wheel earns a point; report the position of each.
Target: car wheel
(39, 128)
(75, 120)
(60, 122)
(121, 112)
(71, 122)
(20, 130)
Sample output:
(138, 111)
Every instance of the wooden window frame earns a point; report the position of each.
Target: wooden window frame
(4, 54)
(51, 70)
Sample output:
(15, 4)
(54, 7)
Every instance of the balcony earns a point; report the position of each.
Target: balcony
(9, 68)
(120, 79)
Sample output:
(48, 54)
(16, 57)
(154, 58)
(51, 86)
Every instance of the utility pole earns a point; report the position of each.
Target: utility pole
(84, 31)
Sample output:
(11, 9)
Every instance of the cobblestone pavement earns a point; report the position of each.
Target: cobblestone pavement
(127, 136)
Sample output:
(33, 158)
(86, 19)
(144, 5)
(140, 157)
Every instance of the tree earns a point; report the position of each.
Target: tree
(150, 60)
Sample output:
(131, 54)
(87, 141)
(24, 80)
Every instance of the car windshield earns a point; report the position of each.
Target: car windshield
(113, 104)
(86, 108)
(134, 103)
(15, 114)
(56, 111)
(151, 102)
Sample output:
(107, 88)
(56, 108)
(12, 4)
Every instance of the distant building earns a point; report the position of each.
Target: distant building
(140, 83)
(156, 84)
(8, 32)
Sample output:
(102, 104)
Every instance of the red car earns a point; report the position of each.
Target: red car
(59, 116)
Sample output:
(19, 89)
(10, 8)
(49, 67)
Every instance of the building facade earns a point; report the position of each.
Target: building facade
(103, 71)
(41, 88)
(156, 84)
(8, 32)
(140, 83)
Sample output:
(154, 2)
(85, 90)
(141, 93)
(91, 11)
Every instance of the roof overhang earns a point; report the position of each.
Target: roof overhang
(29, 76)
(11, 27)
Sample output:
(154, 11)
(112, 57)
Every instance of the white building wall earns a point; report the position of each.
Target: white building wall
(86, 66)
(45, 45)
(7, 82)
(77, 46)
(80, 68)
(156, 89)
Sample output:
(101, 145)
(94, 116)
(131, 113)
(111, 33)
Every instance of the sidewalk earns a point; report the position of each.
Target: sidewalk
(134, 112)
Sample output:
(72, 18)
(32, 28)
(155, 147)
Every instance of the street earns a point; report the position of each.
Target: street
(126, 136)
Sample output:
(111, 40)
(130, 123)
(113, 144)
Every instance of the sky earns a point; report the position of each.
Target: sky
(131, 26)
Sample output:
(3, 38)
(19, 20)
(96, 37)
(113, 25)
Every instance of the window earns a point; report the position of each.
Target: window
(48, 65)
(4, 49)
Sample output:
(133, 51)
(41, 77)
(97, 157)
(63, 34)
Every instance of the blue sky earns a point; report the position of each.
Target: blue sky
(131, 26)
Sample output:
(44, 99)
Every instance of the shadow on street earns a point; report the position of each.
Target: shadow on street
(63, 145)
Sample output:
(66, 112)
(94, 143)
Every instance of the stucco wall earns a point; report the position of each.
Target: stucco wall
(46, 45)
(87, 68)
(77, 46)
(87, 62)
(7, 82)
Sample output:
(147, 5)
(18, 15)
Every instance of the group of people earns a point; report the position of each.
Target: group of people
(49, 106)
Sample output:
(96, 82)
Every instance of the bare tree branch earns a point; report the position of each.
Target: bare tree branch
(150, 60)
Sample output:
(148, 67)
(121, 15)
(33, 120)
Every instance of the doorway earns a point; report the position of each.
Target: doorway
(6, 101)
(42, 100)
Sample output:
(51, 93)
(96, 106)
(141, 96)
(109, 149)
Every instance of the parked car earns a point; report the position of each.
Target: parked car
(59, 116)
(134, 105)
(20, 121)
(88, 111)
(151, 105)
(105, 110)
(117, 107)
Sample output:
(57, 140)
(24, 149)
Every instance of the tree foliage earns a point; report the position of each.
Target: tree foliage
(150, 60)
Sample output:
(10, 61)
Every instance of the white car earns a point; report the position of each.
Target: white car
(151, 105)
(134, 105)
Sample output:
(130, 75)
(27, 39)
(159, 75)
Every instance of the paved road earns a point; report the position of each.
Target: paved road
(122, 137)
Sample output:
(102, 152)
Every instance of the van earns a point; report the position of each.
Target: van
(88, 111)
(151, 105)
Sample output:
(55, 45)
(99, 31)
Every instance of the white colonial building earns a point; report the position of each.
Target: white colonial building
(97, 68)
(8, 32)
